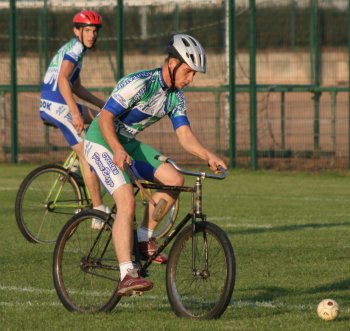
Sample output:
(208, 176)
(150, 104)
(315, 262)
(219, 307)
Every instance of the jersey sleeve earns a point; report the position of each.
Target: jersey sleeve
(127, 92)
(75, 53)
(178, 115)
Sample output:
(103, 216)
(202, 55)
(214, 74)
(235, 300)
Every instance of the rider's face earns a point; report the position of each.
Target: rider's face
(87, 35)
(184, 76)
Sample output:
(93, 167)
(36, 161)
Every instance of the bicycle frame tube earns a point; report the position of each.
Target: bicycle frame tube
(54, 201)
(167, 240)
(196, 212)
(72, 157)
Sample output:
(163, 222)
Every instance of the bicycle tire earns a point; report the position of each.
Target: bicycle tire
(85, 269)
(207, 293)
(36, 215)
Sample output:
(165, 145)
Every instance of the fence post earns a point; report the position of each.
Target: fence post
(349, 85)
(14, 115)
(283, 131)
(120, 38)
(252, 86)
(232, 84)
(315, 71)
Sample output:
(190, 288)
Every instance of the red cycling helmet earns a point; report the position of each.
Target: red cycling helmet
(87, 18)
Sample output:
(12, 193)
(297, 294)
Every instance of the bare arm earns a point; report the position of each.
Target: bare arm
(106, 123)
(67, 93)
(86, 95)
(193, 146)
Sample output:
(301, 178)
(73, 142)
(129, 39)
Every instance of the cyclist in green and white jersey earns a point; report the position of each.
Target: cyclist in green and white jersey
(139, 100)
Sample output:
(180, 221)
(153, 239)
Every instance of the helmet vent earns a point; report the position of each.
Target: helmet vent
(194, 41)
(187, 44)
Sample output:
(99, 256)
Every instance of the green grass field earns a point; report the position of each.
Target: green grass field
(291, 236)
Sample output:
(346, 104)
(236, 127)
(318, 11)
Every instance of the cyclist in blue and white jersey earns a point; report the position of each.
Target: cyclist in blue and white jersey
(61, 81)
(139, 100)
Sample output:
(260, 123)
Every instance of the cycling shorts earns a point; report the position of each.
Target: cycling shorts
(60, 115)
(100, 157)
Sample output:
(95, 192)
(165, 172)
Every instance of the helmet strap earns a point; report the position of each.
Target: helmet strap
(172, 74)
(82, 37)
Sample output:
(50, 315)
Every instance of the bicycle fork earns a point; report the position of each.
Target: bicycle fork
(197, 207)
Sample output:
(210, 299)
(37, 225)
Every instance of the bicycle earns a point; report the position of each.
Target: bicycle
(200, 272)
(51, 193)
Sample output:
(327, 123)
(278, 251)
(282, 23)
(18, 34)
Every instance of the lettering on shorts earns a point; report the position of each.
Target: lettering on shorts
(68, 117)
(110, 163)
(105, 171)
(60, 110)
(88, 147)
(45, 105)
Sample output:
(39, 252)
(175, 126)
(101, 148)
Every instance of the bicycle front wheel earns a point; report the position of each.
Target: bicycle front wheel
(47, 197)
(85, 270)
(200, 274)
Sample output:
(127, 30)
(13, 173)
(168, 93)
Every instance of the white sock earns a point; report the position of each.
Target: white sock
(124, 268)
(144, 234)
(102, 208)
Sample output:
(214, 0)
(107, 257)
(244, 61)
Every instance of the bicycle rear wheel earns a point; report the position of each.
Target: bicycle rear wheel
(47, 197)
(85, 270)
(201, 287)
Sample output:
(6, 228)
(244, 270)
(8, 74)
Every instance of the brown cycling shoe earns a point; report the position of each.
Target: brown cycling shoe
(133, 282)
(147, 248)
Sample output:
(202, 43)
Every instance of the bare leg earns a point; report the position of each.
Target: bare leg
(90, 178)
(166, 175)
(122, 231)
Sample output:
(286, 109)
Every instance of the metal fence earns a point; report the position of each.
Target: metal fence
(275, 94)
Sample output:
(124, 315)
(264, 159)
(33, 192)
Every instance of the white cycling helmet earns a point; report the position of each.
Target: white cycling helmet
(188, 50)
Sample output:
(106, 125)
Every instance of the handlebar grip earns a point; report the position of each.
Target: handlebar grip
(221, 169)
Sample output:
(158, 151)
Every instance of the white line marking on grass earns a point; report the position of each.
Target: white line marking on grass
(127, 302)
(25, 289)
(30, 304)
(8, 188)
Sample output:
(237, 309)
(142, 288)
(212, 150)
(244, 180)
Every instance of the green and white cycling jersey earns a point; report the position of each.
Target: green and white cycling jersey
(139, 100)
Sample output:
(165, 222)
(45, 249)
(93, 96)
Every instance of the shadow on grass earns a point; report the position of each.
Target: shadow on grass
(335, 286)
(268, 293)
(293, 227)
(271, 293)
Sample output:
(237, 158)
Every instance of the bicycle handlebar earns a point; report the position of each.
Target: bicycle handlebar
(165, 159)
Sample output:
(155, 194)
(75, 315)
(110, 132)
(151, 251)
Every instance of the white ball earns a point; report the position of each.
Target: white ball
(328, 309)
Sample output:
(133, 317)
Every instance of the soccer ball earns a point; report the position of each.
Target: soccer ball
(328, 309)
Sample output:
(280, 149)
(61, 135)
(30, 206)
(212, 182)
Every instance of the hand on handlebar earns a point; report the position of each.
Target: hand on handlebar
(120, 158)
(220, 170)
(217, 165)
(78, 122)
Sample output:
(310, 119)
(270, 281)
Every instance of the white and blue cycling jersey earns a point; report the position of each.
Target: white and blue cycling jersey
(53, 107)
(73, 51)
